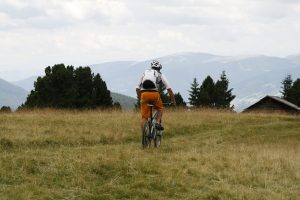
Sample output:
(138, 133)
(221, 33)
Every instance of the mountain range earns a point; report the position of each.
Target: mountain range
(251, 77)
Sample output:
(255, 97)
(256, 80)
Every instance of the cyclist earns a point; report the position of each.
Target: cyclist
(151, 83)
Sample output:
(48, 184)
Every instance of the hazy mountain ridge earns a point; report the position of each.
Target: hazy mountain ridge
(125, 101)
(11, 95)
(27, 84)
(294, 58)
(251, 77)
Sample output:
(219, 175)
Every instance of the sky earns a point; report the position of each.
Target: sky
(35, 34)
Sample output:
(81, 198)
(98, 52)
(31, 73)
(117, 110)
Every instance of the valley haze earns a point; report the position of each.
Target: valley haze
(251, 77)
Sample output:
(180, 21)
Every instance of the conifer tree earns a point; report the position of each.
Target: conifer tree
(286, 86)
(194, 93)
(210, 94)
(206, 93)
(84, 86)
(179, 100)
(294, 93)
(222, 95)
(101, 94)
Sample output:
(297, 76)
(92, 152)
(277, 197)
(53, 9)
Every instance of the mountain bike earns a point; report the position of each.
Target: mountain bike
(150, 132)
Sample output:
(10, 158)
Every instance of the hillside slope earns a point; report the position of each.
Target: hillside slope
(125, 101)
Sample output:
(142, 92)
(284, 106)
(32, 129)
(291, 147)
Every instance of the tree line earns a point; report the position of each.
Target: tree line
(211, 94)
(66, 87)
(208, 94)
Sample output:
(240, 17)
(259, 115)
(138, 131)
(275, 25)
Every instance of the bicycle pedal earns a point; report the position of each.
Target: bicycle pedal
(159, 127)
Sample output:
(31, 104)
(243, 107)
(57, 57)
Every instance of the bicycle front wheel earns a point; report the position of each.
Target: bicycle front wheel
(157, 140)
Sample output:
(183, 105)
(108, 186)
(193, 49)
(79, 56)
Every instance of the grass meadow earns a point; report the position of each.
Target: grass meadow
(205, 154)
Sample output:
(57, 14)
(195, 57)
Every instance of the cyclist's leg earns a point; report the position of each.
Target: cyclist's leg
(143, 123)
(159, 116)
(159, 107)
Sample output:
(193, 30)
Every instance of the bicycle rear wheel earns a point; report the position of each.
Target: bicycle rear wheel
(145, 136)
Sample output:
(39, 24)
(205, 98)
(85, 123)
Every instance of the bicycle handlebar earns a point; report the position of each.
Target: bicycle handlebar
(168, 104)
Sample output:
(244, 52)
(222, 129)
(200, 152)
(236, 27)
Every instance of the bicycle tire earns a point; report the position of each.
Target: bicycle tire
(145, 136)
(157, 140)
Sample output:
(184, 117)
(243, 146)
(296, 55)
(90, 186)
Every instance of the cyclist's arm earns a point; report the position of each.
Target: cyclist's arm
(170, 92)
(138, 93)
(138, 89)
(172, 97)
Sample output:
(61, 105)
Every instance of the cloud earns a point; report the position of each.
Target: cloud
(207, 12)
(101, 10)
(20, 9)
(53, 13)
(43, 32)
(167, 12)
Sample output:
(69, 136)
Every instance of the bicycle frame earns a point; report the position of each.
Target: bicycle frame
(153, 115)
(150, 131)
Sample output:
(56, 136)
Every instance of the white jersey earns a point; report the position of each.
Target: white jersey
(153, 80)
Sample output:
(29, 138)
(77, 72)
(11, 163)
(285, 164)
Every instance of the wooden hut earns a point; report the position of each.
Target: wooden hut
(273, 104)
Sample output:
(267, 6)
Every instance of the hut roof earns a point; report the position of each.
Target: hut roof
(278, 99)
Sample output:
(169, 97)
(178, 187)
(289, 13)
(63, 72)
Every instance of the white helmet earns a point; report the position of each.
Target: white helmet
(156, 65)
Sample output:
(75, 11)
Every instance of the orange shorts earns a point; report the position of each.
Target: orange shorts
(150, 98)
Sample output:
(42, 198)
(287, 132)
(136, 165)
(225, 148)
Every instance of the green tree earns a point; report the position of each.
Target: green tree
(5, 109)
(54, 89)
(83, 78)
(101, 95)
(194, 93)
(294, 93)
(61, 86)
(286, 86)
(117, 106)
(222, 95)
(64, 87)
(206, 93)
(179, 100)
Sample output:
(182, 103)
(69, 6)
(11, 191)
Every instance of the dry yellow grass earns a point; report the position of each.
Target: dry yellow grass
(205, 154)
